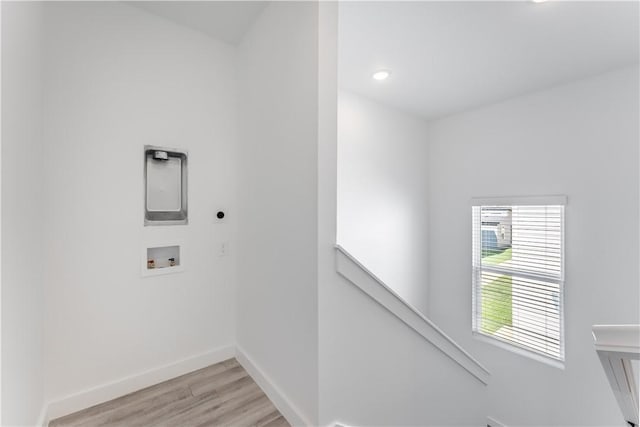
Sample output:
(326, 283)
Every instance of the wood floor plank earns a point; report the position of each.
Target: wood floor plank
(206, 385)
(210, 410)
(214, 402)
(218, 395)
(99, 414)
(278, 422)
(185, 410)
(92, 416)
(247, 414)
(121, 415)
(271, 416)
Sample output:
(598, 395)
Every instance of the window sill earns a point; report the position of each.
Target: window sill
(519, 350)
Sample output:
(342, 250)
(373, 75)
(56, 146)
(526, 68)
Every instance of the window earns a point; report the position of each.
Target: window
(518, 273)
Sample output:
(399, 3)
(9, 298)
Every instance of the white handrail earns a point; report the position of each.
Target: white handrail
(352, 270)
(618, 346)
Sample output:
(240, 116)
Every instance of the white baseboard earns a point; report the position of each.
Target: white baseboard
(111, 390)
(288, 410)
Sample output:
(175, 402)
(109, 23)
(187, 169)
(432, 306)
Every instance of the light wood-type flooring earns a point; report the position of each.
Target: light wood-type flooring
(218, 395)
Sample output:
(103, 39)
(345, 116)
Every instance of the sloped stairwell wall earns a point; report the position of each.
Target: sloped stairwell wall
(373, 369)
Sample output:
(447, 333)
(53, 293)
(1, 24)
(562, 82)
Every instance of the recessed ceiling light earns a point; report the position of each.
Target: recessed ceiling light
(381, 75)
(538, 1)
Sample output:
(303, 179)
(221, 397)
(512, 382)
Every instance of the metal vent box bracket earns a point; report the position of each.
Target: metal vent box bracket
(165, 183)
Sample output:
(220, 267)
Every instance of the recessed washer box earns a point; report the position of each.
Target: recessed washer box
(165, 183)
(162, 260)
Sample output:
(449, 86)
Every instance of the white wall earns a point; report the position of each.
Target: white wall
(382, 193)
(277, 192)
(580, 140)
(118, 78)
(374, 370)
(22, 209)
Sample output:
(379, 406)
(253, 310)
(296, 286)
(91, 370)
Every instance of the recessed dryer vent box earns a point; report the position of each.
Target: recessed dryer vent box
(165, 182)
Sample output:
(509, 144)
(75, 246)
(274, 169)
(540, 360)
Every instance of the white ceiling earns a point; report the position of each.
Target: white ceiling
(448, 57)
(224, 20)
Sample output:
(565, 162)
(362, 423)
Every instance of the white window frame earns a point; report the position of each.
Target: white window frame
(477, 269)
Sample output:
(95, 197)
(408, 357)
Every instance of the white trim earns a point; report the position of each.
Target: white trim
(43, 419)
(280, 400)
(352, 270)
(617, 346)
(515, 348)
(557, 200)
(620, 338)
(523, 274)
(111, 390)
(492, 422)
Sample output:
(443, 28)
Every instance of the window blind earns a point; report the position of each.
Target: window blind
(518, 276)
